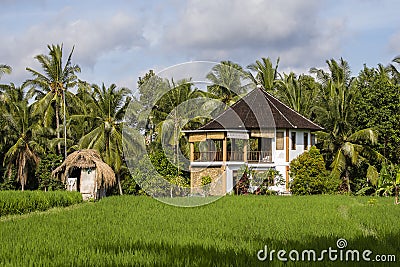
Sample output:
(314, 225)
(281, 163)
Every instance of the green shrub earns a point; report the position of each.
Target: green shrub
(310, 175)
(20, 202)
(266, 179)
(43, 173)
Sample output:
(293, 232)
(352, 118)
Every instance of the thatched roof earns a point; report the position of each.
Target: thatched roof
(86, 158)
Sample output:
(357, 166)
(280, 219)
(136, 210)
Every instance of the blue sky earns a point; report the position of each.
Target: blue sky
(118, 41)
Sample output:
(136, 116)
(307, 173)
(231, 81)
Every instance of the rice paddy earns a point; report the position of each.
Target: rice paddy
(129, 230)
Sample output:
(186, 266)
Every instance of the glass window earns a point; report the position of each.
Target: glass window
(293, 140)
(313, 139)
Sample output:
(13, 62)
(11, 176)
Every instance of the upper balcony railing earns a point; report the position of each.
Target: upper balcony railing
(208, 156)
(252, 156)
(259, 156)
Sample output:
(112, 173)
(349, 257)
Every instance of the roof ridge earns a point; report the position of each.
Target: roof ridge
(291, 110)
(248, 112)
(266, 94)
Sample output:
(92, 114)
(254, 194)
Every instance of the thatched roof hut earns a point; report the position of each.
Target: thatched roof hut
(85, 159)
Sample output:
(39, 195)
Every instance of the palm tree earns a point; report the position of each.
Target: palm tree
(172, 111)
(297, 93)
(353, 150)
(227, 78)
(335, 100)
(51, 87)
(22, 130)
(339, 72)
(10, 94)
(107, 108)
(394, 70)
(4, 69)
(266, 74)
(334, 112)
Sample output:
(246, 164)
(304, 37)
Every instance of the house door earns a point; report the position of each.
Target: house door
(87, 181)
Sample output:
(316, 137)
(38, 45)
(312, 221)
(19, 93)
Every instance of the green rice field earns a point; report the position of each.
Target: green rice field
(141, 231)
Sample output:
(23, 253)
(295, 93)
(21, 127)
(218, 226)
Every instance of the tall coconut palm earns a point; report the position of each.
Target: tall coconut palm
(51, 87)
(354, 150)
(9, 94)
(339, 72)
(22, 130)
(172, 111)
(334, 112)
(394, 70)
(266, 74)
(4, 69)
(297, 93)
(107, 108)
(227, 81)
(335, 100)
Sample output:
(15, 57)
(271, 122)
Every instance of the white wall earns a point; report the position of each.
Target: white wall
(279, 156)
(299, 143)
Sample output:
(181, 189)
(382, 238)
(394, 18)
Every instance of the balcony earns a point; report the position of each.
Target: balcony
(252, 156)
(208, 156)
(259, 156)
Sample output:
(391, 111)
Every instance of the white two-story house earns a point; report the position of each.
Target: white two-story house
(258, 131)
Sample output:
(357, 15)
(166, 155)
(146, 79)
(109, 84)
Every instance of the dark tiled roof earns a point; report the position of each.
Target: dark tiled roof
(259, 110)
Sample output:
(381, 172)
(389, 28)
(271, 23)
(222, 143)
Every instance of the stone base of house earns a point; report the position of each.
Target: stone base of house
(217, 185)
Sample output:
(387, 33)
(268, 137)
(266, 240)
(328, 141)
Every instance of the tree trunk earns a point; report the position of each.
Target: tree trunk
(119, 185)
(58, 129)
(396, 198)
(348, 181)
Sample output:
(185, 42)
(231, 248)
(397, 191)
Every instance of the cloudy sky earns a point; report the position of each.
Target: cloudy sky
(117, 41)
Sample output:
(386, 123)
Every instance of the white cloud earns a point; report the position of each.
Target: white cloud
(92, 39)
(236, 29)
(394, 44)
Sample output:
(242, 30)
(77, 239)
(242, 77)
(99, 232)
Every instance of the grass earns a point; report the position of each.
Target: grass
(129, 230)
(20, 202)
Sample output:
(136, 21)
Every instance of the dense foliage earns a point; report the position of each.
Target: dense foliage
(310, 175)
(43, 172)
(140, 231)
(17, 202)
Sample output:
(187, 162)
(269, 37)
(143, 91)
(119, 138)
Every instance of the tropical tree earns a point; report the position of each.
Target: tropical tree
(107, 108)
(22, 130)
(227, 80)
(335, 113)
(266, 74)
(171, 113)
(377, 105)
(297, 92)
(356, 149)
(10, 94)
(335, 100)
(339, 72)
(4, 69)
(394, 70)
(51, 88)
